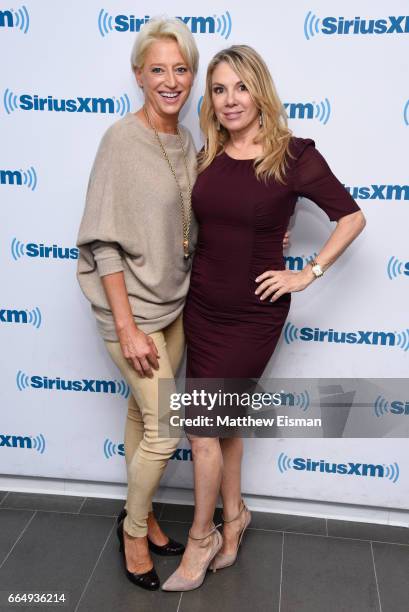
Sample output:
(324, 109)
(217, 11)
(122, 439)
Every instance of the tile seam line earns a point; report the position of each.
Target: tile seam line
(57, 511)
(18, 538)
(376, 579)
(304, 533)
(180, 601)
(95, 567)
(81, 506)
(281, 572)
(330, 537)
(4, 498)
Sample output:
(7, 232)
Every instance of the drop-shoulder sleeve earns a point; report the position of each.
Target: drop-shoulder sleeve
(312, 178)
(98, 236)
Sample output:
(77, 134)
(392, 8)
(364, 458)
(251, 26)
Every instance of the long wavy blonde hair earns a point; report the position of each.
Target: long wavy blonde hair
(274, 134)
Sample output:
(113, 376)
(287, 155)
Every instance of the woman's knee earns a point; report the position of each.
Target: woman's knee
(160, 449)
(204, 447)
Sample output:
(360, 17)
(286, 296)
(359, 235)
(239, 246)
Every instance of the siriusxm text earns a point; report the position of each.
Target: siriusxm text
(197, 25)
(84, 385)
(33, 249)
(11, 177)
(350, 469)
(6, 19)
(357, 25)
(182, 454)
(379, 192)
(316, 334)
(30, 102)
(398, 407)
(11, 441)
(13, 316)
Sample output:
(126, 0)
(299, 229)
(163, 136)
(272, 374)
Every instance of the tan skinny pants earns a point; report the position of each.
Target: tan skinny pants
(146, 454)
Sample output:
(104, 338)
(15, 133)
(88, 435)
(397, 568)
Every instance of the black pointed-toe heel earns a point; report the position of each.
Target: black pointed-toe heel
(171, 549)
(148, 580)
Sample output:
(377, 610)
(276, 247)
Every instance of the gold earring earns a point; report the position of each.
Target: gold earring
(260, 119)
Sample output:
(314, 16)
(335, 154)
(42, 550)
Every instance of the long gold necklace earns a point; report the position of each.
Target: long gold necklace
(186, 210)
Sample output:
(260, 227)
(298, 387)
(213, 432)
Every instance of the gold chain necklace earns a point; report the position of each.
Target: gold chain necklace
(186, 214)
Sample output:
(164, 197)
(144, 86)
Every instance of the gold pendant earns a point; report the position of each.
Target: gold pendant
(186, 249)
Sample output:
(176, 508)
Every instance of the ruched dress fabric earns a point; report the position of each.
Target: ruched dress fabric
(230, 333)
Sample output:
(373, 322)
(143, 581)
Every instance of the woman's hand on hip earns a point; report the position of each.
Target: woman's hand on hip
(277, 282)
(139, 349)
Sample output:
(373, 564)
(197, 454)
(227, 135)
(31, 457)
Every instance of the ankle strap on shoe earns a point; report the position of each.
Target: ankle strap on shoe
(207, 535)
(243, 507)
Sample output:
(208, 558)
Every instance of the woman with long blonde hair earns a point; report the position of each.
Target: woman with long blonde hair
(251, 173)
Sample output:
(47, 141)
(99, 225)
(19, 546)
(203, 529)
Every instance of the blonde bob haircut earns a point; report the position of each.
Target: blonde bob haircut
(274, 134)
(160, 28)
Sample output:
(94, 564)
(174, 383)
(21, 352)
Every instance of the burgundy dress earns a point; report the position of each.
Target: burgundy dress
(230, 333)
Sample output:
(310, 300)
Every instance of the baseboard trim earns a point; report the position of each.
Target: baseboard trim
(299, 507)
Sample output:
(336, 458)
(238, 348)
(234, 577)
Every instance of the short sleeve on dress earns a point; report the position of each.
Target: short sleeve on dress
(312, 178)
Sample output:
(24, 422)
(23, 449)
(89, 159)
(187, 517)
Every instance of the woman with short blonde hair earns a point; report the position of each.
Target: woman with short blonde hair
(160, 29)
(136, 240)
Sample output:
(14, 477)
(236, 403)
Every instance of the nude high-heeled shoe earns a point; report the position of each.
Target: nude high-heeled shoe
(176, 582)
(222, 560)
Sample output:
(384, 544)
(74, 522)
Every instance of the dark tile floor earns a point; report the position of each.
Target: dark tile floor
(53, 543)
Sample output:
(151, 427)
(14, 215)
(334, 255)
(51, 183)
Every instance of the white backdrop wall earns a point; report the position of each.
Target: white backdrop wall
(343, 87)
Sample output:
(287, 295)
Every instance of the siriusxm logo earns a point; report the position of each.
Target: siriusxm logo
(111, 449)
(374, 338)
(406, 113)
(15, 18)
(33, 102)
(213, 24)
(26, 178)
(182, 454)
(297, 262)
(382, 407)
(26, 442)
(115, 387)
(391, 472)
(313, 25)
(301, 400)
(395, 268)
(379, 192)
(320, 111)
(24, 317)
(34, 250)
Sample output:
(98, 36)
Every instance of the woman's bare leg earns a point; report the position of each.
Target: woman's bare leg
(207, 470)
(230, 490)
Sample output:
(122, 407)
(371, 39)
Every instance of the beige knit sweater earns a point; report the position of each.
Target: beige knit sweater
(132, 222)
